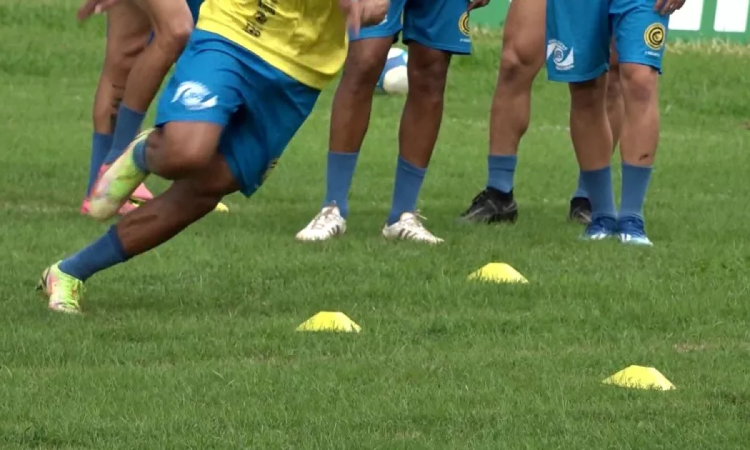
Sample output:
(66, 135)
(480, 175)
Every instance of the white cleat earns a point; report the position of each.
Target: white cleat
(326, 225)
(410, 228)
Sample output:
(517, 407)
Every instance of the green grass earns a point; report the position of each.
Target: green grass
(193, 345)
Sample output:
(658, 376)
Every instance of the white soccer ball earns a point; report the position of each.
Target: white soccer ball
(394, 80)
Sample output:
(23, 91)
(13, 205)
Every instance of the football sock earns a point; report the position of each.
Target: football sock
(409, 180)
(580, 190)
(598, 183)
(128, 124)
(339, 173)
(635, 181)
(105, 252)
(501, 169)
(100, 145)
(139, 156)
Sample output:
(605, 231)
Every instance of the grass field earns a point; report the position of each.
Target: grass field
(193, 345)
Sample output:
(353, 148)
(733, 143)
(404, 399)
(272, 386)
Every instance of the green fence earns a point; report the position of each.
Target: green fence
(698, 19)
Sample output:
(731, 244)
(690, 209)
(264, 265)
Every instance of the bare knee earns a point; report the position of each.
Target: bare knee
(588, 96)
(428, 70)
(519, 66)
(614, 86)
(173, 34)
(639, 83)
(182, 148)
(363, 66)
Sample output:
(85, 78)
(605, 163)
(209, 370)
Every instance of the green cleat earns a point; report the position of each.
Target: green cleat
(115, 187)
(64, 291)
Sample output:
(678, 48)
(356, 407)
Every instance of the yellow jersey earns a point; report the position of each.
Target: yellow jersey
(305, 39)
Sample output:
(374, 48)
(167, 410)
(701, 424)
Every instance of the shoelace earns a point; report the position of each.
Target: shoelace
(323, 218)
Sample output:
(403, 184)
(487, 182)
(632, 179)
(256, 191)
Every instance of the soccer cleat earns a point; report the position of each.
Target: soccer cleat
(632, 231)
(491, 206)
(115, 187)
(599, 229)
(326, 225)
(410, 228)
(580, 210)
(126, 208)
(63, 291)
(141, 194)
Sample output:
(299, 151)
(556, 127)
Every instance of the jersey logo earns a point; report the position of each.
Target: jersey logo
(195, 96)
(654, 36)
(463, 24)
(561, 55)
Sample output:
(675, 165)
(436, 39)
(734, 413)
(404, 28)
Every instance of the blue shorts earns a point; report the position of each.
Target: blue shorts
(260, 107)
(579, 35)
(439, 24)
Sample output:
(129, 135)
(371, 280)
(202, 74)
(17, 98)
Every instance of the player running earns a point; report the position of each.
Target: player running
(522, 57)
(578, 42)
(434, 30)
(144, 39)
(248, 79)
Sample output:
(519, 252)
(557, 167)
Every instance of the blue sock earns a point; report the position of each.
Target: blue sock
(580, 189)
(139, 156)
(126, 129)
(100, 145)
(409, 180)
(105, 252)
(339, 173)
(635, 181)
(501, 169)
(598, 183)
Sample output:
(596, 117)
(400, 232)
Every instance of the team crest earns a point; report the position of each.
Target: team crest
(463, 24)
(655, 36)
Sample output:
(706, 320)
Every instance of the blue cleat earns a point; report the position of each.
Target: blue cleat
(600, 228)
(631, 231)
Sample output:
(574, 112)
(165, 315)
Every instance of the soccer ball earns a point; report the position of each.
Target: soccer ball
(393, 80)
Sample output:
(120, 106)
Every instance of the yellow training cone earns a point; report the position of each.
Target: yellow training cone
(639, 377)
(498, 273)
(330, 321)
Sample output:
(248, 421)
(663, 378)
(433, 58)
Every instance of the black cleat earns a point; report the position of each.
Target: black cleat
(491, 206)
(580, 210)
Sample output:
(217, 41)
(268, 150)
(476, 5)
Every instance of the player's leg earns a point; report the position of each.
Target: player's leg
(580, 206)
(521, 58)
(640, 38)
(578, 47)
(350, 117)
(127, 35)
(171, 23)
(155, 222)
(434, 31)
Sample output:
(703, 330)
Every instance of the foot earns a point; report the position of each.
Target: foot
(126, 208)
(115, 187)
(410, 228)
(491, 206)
(326, 225)
(580, 210)
(141, 194)
(599, 229)
(63, 291)
(632, 231)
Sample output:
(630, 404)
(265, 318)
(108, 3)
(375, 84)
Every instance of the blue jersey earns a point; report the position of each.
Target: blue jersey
(579, 34)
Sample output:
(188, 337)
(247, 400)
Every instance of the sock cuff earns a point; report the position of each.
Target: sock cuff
(605, 169)
(130, 112)
(626, 166)
(343, 155)
(117, 243)
(103, 136)
(506, 162)
(409, 167)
